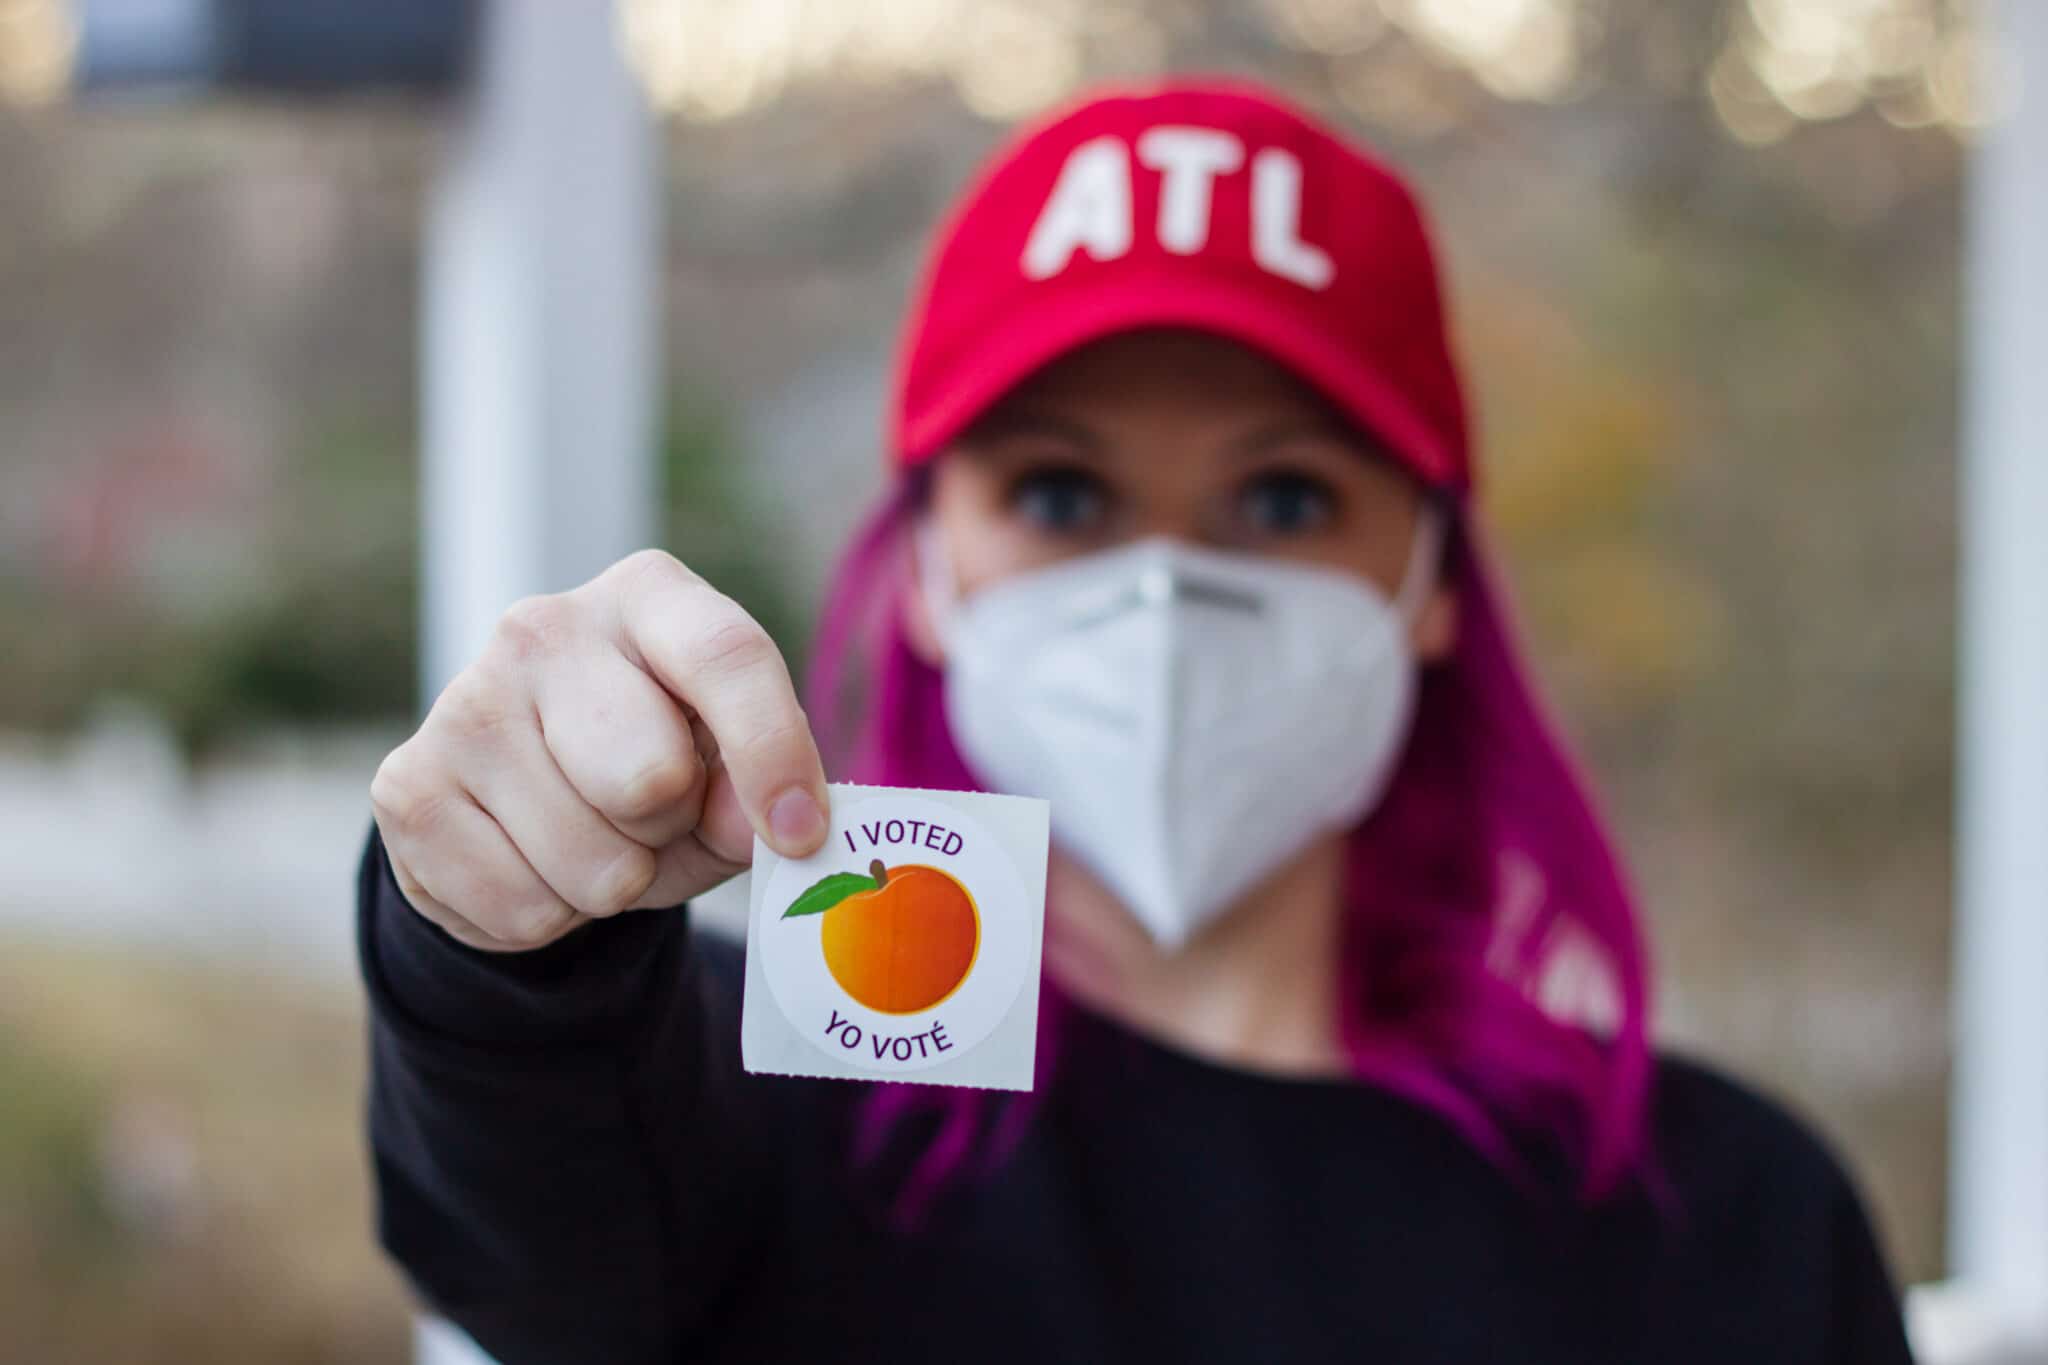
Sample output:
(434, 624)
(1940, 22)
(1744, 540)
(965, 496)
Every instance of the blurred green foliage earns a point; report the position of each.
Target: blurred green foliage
(713, 519)
(55, 1213)
(309, 622)
(321, 627)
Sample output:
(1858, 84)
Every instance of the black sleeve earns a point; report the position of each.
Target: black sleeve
(559, 1139)
(1868, 1325)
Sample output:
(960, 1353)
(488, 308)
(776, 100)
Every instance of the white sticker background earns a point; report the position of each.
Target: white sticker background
(985, 1032)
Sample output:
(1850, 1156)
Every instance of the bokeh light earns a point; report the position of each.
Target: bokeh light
(1782, 63)
(1919, 62)
(37, 45)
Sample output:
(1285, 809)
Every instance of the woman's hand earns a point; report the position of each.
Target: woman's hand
(615, 747)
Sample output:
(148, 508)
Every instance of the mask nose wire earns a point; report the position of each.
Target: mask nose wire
(941, 591)
(1425, 550)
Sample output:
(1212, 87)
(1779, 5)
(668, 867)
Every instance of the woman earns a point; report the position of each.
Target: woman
(1310, 1089)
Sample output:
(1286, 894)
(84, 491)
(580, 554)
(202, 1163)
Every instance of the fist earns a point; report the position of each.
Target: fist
(614, 748)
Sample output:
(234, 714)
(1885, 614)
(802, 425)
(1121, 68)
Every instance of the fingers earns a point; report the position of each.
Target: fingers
(684, 869)
(615, 747)
(708, 652)
(446, 851)
(623, 744)
(724, 827)
(582, 857)
(457, 928)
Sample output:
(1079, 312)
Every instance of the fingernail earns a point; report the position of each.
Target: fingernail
(796, 822)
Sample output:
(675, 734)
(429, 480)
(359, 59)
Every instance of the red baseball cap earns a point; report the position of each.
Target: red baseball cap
(1210, 205)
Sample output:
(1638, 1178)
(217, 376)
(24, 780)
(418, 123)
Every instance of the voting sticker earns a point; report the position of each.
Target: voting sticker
(907, 947)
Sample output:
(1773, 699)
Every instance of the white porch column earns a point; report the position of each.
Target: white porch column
(538, 327)
(1998, 1183)
(538, 343)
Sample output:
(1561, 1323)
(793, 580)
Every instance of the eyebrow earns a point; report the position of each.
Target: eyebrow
(1263, 439)
(1004, 423)
(1007, 423)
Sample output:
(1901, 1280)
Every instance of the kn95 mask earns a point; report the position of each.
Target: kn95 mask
(1194, 716)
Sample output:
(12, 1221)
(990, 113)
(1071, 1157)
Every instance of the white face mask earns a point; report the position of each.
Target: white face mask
(1194, 717)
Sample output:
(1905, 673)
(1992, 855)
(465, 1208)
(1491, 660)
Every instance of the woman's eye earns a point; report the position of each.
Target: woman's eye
(1284, 503)
(1060, 499)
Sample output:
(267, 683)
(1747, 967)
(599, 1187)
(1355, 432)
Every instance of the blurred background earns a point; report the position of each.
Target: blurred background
(1704, 258)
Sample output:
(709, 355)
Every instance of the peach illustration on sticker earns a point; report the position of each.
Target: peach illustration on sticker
(896, 940)
(901, 948)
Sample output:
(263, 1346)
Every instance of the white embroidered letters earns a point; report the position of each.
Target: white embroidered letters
(1188, 161)
(1091, 205)
(1276, 222)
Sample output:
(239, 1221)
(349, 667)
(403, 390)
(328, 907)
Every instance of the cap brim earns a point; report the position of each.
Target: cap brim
(1021, 345)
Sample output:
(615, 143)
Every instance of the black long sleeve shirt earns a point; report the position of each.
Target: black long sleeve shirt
(572, 1166)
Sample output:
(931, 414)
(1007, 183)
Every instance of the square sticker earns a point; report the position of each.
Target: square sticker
(907, 947)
